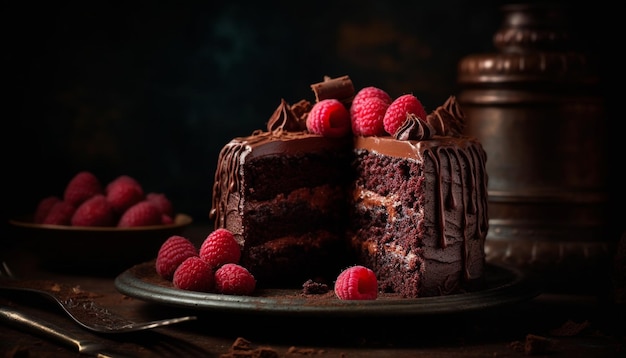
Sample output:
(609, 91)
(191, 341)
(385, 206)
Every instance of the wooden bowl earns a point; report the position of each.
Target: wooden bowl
(106, 250)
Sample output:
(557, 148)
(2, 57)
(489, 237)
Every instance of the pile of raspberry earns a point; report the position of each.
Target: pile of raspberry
(373, 112)
(121, 203)
(215, 268)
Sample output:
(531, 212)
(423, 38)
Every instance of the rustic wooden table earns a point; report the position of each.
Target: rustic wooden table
(551, 324)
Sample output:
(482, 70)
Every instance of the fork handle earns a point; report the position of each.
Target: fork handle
(45, 328)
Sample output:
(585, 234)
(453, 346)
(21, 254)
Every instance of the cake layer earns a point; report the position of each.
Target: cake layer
(290, 261)
(301, 211)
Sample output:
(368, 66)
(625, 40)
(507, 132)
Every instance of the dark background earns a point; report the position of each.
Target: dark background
(155, 89)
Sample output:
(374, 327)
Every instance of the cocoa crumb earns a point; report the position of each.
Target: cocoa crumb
(295, 351)
(569, 329)
(533, 345)
(242, 348)
(536, 345)
(311, 287)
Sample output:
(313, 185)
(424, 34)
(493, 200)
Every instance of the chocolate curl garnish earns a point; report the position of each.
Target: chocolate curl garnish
(340, 88)
(301, 110)
(284, 118)
(414, 128)
(448, 119)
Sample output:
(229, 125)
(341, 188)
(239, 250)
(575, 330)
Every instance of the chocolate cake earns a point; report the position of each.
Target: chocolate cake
(412, 207)
(283, 196)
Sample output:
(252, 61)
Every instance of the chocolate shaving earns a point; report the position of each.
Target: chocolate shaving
(340, 88)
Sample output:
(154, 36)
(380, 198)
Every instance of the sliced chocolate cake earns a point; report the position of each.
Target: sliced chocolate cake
(411, 206)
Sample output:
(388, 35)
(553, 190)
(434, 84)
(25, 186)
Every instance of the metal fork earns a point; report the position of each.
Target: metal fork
(79, 306)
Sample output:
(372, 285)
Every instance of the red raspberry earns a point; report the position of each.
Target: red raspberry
(144, 213)
(60, 214)
(371, 92)
(367, 117)
(356, 283)
(172, 253)
(329, 118)
(162, 202)
(233, 279)
(220, 247)
(367, 111)
(166, 219)
(94, 211)
(81, 187)
(123, 192)
(398, 110)
(43, 208)
(194, 274)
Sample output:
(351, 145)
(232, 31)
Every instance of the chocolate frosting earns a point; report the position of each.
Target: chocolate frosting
(414, 128)
(448, 119)
(289, 118)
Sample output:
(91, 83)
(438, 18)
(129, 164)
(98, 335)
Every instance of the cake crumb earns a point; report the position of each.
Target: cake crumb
(242, 348)
(533, 345)
(536, 345)
(569, 329)
(295, 351)
(311, 287)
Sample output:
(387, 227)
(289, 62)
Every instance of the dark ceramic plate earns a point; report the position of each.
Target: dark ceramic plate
(504, 286)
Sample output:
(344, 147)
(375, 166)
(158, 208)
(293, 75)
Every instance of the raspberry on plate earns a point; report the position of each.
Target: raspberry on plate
(144, 213)
(357, 283)
(233, 279)
(399, 109)
(94, 211)
(329, 118)
(81, 187)
(219, 248)
(124, 192)
(172, 253)
(194, 274)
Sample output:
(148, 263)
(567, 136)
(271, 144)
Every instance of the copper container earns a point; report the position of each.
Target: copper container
(534, 105)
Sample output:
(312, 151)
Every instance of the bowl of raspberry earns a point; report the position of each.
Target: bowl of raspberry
(96, 227)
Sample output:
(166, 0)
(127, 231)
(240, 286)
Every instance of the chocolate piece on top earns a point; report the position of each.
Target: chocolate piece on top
(340, 88)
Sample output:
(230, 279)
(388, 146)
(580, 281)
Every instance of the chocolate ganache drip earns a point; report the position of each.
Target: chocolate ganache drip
(414, 128)
(448, 119)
